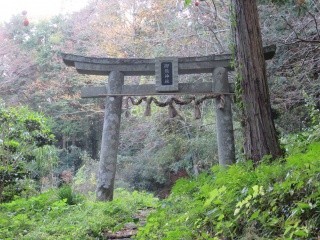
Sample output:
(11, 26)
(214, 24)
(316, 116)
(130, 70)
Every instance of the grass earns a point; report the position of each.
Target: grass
(48, 216)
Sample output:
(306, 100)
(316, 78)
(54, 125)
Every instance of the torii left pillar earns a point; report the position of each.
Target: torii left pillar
(110, 138)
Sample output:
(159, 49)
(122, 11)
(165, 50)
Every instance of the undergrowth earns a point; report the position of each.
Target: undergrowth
(273, 201)
(279, 200)
(61, 214)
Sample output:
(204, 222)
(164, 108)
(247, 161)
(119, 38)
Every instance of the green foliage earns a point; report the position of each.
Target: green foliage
(70, 158)
(23, 135)
(297, 142)
(24, 187)
(314, 113)
(277, 1)
(45, 161)
(50, 216)
(65, 193)
(187, 2)
(85, 179)
(272, 201)
(173, 145)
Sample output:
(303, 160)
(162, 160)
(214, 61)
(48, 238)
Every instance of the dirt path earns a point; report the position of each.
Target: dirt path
(130, 229)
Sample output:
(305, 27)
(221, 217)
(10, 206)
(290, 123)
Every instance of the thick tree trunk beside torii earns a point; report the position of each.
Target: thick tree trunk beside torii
(259, 130)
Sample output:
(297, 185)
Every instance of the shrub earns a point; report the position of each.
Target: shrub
(48, 216)
(65, 193)
(24, 136)
(273, 201)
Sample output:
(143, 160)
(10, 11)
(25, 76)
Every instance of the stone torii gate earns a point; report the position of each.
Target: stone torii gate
(166, 71)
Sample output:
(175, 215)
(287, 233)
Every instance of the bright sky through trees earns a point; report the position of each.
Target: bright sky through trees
(38, 9)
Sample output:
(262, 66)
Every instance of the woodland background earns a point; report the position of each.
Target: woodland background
(154, 151)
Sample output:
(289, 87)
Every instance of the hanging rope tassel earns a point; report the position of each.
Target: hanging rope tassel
(126, 107)
(172, 111)
(222, 101)
(147, 112)
(197, 112)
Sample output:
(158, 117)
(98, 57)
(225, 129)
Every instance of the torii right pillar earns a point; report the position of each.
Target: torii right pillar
(225, 134)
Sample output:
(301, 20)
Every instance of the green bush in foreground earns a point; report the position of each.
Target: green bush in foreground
(26, 150)
(273, 201)
(49, 216)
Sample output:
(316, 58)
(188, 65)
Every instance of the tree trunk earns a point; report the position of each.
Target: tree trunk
(1, 189)
(259, 130)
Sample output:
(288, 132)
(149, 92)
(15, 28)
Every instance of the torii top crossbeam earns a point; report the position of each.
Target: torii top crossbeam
(145, 67)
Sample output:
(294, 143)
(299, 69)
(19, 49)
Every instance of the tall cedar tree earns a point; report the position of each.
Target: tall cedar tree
(259, 129)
